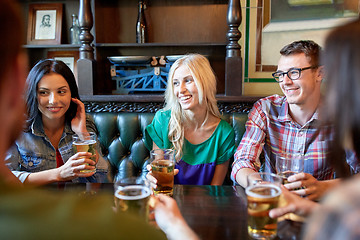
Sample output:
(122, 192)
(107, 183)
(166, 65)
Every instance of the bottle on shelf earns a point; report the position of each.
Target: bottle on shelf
(75, 30)
(141, 31)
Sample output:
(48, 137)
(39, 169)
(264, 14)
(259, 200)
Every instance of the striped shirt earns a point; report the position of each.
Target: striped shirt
(271, 129)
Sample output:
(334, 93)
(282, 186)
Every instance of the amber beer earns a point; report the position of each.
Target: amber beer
(163, 171)
(133, 199)
(261, 199)
(162, 168)
(263, 193)
(85, 143)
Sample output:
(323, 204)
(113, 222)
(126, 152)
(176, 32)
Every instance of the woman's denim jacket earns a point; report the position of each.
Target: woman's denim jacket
(33, 152)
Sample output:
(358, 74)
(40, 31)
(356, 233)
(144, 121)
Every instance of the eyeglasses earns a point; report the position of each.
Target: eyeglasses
(293, 73)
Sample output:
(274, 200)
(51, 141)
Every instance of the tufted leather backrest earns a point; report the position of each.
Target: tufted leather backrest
(121, 139)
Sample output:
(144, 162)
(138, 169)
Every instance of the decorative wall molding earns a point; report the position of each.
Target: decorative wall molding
(142, 107)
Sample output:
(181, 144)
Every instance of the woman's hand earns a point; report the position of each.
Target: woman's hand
(78, 123)
(152, 179)
(71, 169)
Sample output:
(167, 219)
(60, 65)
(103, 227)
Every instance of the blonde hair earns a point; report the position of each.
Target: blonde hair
(205, 81)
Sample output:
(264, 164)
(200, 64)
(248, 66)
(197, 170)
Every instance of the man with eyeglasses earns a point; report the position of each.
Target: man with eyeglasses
(289, 124)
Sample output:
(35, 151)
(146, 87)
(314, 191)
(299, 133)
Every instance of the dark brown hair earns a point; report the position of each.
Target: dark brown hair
(342, 80)
(41, 69)
(311, 50)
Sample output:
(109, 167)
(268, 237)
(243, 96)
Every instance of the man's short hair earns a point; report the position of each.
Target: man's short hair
(311, 50)
(11, 29)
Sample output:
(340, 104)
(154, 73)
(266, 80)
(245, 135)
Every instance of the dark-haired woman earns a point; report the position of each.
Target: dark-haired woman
(43, 154)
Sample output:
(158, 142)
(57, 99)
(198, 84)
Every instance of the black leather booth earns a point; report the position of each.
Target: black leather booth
(121, 139)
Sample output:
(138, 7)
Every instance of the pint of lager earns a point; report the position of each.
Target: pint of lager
(162, 167)
(85, 142)
(263, 193)
(132, 195)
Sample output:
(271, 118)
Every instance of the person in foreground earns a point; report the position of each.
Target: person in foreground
(337, 216)
(27, 213)
(289, 124)
(190, 123)
(44, 153)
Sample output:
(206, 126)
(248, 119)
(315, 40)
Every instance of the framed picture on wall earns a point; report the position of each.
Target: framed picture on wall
(45, 23)
(299, 10)
(68, 57)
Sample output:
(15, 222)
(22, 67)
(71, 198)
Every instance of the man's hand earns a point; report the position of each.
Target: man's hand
(294, 204)
(169, 219)
(304, 184)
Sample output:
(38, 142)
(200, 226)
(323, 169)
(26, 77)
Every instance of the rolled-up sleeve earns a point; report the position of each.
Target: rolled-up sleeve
(12, 161)
(250, 147)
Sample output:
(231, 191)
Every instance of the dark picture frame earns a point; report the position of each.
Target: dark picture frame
(45, 23)
(70, 58)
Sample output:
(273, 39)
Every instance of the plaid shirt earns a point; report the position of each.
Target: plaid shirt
(270, 128)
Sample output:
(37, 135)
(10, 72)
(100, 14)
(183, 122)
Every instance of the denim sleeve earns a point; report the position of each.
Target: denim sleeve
(12, 161)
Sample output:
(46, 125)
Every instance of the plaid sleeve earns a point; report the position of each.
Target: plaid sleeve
(250, 147)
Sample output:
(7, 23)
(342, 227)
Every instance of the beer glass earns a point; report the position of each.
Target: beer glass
(132, 195)
(288, 165)
(162, 167)
(85, 142)
(263, 193)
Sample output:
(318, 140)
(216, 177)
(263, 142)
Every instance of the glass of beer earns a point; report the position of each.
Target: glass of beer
(263, 193)
(288, 165)
(132, 195)
(162, 167)
(85, 142)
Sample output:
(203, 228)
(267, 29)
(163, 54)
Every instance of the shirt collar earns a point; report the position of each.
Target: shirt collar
(284, 114)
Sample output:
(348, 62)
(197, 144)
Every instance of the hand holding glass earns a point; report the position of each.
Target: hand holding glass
(288, 165)
(85, 142)
(162, 168)
(263, 193)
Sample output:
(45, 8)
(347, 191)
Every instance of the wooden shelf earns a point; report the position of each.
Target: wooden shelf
(53, 46)
(174, 28)
(158, 44)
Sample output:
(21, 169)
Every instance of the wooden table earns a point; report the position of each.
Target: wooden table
(213, 212)
(220, 212)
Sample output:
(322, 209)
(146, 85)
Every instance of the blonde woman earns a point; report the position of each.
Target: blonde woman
(190, 123)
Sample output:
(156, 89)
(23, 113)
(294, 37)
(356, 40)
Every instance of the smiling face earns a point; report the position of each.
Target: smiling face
(185, 89)
(304, 89)
(54, 97)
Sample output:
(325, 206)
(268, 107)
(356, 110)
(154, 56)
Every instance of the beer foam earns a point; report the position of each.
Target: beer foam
(145, 192)
(255, 195)
(84, 142)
